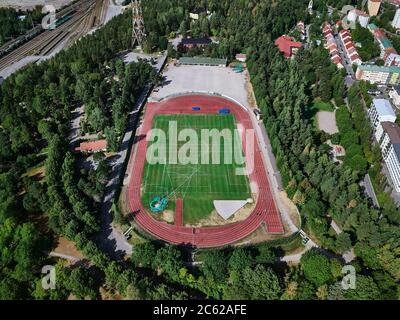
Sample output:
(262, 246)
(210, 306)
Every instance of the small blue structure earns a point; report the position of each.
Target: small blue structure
(224, 111)
(196, 108)
(158, 204)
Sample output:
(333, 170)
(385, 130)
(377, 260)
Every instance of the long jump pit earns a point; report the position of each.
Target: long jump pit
(175, 199)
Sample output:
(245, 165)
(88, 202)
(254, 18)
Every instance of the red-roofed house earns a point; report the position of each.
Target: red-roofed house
(351, 51)
(379, 34)
(345, 36)
(92, 146)
(331, 45)
(241, 57)
(355, 58)
(349, 46)
(287, 46)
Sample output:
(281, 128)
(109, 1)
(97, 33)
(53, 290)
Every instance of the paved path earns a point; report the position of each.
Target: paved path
(348, 256)
(64, 256)
(369, 189)
(77, 115)
(336, 227)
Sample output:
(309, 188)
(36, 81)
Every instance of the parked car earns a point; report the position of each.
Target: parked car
(374, 92)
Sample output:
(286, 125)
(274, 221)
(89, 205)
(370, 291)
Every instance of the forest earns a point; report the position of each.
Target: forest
(36, 104)
(11, 26)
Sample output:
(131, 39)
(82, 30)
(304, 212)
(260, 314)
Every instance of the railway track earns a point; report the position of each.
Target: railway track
(38, 29)
(96, 18)
(87, 15)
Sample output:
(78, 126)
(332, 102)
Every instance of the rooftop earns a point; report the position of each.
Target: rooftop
(375, 68)
(202, 61)
(285, 45)
(383, 107)
(92, 146)
(393, 131)
(372, 26)
(196, 41)
(360, 13)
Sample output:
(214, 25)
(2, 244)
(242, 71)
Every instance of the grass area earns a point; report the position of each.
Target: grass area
(319, 105)
(36, 171)
(316, 106)
(293, 246)
(197, 184)
(381, 195)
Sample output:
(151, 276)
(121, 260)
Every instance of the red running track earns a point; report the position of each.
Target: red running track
(179, 212)
(265, 211)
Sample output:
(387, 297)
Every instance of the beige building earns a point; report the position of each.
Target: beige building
(373, 7)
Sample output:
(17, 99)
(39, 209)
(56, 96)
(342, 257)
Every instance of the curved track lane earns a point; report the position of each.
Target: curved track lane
(264, 213)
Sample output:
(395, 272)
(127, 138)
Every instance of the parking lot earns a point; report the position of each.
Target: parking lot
(179, 79)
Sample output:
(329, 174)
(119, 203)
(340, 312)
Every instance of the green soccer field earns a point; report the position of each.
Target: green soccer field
(197, 184)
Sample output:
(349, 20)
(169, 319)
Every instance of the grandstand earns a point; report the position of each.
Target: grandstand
(203, 61)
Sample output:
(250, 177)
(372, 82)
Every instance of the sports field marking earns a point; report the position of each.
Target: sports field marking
(197, 184)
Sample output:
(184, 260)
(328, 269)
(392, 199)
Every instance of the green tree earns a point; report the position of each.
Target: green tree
(144, 255)
(316, 267)
(261, 283)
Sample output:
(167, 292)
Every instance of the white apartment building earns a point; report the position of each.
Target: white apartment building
(396, 20)
(393, 59)
(390, 148)
(361, 16)
(380, 111)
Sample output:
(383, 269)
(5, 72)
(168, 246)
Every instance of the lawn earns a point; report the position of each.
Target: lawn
(319, 105)
(197, 184)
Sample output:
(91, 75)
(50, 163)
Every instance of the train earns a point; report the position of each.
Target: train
(60, 21)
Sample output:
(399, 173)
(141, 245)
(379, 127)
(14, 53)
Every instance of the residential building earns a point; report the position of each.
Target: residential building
(358, 15)
(396, 20)
(241, 57)
(287, 45)
(390, 148)
(380, 111)
(372, 27)
(302, 28)
(195, 42)
(385, 44)
(394, 94)
(378, 74)
(373, 7)
(92, 146)
(332, 46)
(349, 47)
(393, 59)
(195, 13)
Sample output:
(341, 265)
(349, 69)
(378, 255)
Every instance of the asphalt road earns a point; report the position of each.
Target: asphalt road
(369, 189)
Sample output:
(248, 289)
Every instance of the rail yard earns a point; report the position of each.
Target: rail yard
(74, 22)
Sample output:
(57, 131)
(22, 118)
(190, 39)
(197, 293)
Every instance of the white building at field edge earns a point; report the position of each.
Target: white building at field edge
(390, 148)
(394, 94)
(396, 20)
(380, 111)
